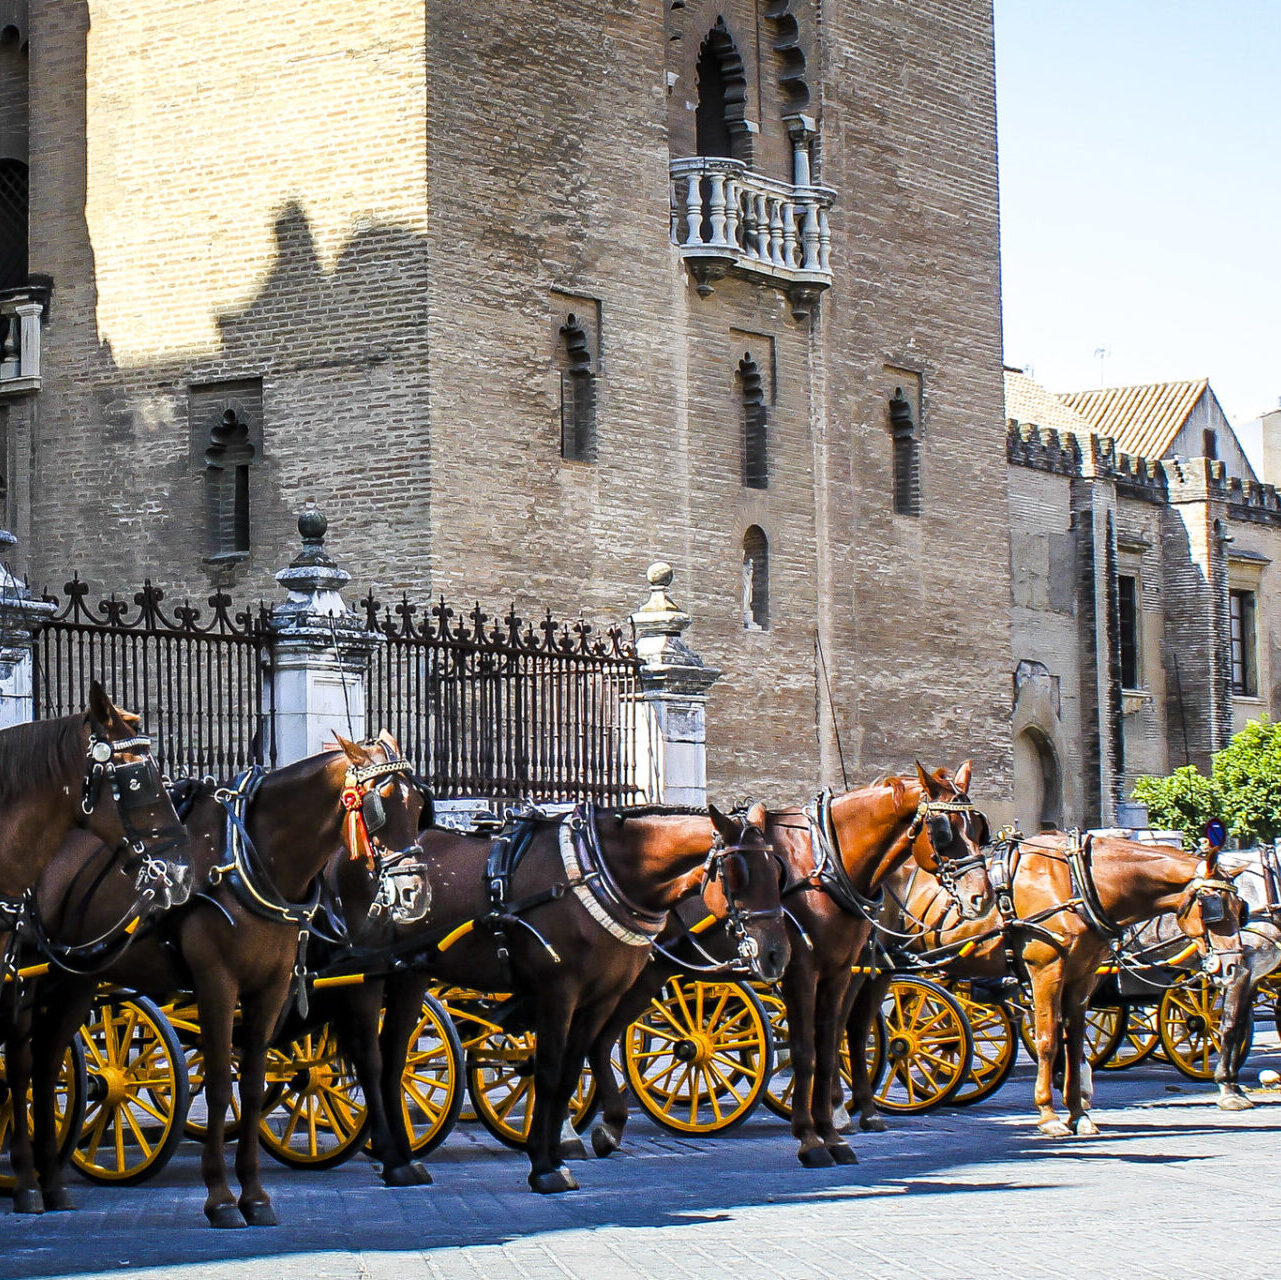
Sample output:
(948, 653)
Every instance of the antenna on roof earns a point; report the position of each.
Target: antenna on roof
(1102, 355)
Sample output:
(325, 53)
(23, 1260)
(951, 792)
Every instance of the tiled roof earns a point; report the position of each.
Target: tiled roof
(1142, 420)
(1030, 404)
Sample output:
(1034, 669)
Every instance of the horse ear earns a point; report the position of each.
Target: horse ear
(388, 741)
(756, 815)
(726, 828)
(929, 784)
(100, 706)
(963, 774)
(355, 752)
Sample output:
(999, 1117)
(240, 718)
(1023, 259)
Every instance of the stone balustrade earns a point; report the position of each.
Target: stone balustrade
(727, 217)
(21, 311)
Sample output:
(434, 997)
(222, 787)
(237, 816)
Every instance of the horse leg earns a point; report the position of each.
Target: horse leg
(1078, 1121)
(800, 983)
(1047, 994)
(26, 1194)
(216, 1001)
(259, 1015)
(607, 1132)
(1238, 1009)
(54, 1030)
(547, 1173)
(831, 1011)
(403, 1005)
(858, 1026)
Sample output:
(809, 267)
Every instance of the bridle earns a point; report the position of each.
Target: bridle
(1209, 892)
(720, 857)
(934, 818)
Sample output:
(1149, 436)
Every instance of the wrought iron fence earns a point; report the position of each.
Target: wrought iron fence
(504, 707)
(196, 679)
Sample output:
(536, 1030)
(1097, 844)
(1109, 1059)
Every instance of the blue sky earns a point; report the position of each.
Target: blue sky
(1141, 193)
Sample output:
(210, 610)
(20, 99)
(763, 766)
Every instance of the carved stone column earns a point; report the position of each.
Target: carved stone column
(315, 682)
(671, 742)
(21, 617)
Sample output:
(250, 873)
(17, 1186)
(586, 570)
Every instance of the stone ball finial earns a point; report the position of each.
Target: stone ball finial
(312, 523)
(660, 574)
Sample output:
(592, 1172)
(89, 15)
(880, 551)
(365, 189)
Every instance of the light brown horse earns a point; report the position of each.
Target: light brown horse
(533, 925)
(1061, 904)
(236, 942)
(873, 831)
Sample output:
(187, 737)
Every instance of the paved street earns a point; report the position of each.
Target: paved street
(1174, 1187)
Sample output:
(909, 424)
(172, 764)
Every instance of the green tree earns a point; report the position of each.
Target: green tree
(1247, 773)
(1185, 801)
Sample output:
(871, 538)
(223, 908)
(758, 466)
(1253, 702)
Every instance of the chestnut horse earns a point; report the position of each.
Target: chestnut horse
(836, 864)
(1062, 903)
(257, 852)
(563, 912)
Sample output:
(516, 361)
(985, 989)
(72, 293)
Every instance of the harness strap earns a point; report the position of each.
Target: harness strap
(1091, 909)
(594, 892)
(829, 872)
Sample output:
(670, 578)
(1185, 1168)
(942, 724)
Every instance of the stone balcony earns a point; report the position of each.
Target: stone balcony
(21, 314)
(727, 218)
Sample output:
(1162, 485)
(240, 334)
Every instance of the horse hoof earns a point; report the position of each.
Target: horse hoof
(816, 1158)
(28, 1200)
(1235, 1102)
(571, 1150)
(605, 1141)
(842, 1153)
(413, 1174)
(225, 1217)
(841, 1121)
(421, 1177)
(259, 1213)
(1086, 1128)
(1054, 1129)
(553, 1182)
(58, 1201)
(872, 1124)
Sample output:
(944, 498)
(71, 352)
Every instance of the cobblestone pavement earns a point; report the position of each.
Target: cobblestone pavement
(1174, 1186)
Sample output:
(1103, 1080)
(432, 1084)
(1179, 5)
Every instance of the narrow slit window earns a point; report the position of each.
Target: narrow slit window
(577, 394)
(227, 463)
(1127, 596)
(755, 444)
(1245, 682)
(907, 465)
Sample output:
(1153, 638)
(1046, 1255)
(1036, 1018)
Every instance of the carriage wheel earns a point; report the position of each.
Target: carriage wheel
(778, 1092)
(137, 1093)
(1104, 1028)
(183, 1016)
(320, 1118)
(1189, 1021)
(996, 1047)
(1140, 1039)
(699, 1058)
(928, 1046)
(432, 1085)
(500, 1081)
(68, 1104)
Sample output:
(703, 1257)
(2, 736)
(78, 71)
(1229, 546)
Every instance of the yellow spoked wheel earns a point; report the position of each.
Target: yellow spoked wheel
(320, 1118)
(778, 1092)
(699, 1058)
(69, 1106)
(1139, 1041)
(184, 1018)
(928, 1046)
(432, 1085)
(1104, 1028)
(1188, 1021)
(137, 1092)
(500, 1080)
(996, 1047)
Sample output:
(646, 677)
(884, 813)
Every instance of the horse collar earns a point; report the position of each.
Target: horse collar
(829, 872)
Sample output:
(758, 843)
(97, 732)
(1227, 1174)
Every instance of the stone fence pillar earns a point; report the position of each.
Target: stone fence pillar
(21, 617)
(314, 685)
(671, 722)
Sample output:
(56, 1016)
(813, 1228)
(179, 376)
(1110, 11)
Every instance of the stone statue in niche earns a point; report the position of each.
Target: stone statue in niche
(749, 583)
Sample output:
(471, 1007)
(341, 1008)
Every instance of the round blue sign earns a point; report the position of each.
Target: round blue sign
(1216, 833)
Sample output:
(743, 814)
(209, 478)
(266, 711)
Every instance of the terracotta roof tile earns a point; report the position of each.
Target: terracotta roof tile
(1030, 404)
(1142, 420)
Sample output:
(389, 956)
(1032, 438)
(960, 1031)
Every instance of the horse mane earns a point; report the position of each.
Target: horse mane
(658, 811)
(40, 754)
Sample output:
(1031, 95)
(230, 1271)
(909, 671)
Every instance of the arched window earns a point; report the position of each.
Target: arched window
(577, 394)
(907, 467)
(755, 602)
(14, 213)
(720, 121)
(227, 461)
(755, 424)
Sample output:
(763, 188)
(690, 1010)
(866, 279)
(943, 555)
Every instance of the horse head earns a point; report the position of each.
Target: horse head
(947, 837)
(741, 886)
(1212, 913)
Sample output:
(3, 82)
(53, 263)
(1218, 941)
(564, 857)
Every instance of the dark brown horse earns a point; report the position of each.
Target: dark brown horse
(562, 911)
(837, 862)
(92, 775)
(1061, 905)
(257, 854)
